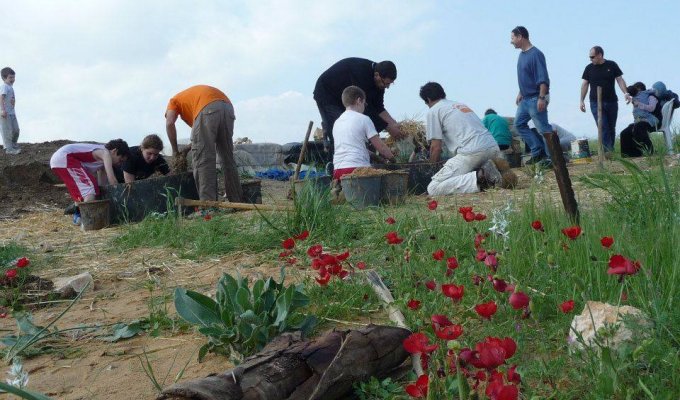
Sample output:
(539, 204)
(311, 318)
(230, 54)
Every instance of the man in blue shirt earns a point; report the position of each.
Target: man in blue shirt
(532, 100)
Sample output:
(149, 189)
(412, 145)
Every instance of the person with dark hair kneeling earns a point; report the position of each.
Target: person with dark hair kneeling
(471, 168)
(635, 138)
(144, 161)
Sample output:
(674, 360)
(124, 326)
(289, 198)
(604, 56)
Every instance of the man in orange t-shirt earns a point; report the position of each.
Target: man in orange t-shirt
(210, 115)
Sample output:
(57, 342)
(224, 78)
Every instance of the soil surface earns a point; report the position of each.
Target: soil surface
(81, 365)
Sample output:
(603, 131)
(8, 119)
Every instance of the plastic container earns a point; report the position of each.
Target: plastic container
(94, 215)
(419, 174)
(362, 191)
(394, 188)
(252, 191)
(319, 183)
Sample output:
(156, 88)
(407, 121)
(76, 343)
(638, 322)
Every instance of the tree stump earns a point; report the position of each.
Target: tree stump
(295, 369)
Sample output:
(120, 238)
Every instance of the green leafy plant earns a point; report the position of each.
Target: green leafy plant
(375, 389)
(243, 320)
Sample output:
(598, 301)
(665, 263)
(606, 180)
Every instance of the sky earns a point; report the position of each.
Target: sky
(105, 69)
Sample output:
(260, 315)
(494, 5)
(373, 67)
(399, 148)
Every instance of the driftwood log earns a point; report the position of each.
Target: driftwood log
(296, 369)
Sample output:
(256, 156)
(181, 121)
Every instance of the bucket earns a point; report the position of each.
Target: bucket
(317, 183)
(514, 159)
(394, 188)
(419, 173)
(94, 214)
(362, 191)
(252, 191)
(580, 151)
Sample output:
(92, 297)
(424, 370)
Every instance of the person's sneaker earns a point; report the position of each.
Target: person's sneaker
(491, 174)
(534, 160)
(13, 151)
(71, 209)
(329, 169)
(546, 164)
(76, 218)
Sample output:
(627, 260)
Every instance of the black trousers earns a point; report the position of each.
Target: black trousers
(635, 139)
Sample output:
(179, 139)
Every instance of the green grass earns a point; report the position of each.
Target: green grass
(640, 209)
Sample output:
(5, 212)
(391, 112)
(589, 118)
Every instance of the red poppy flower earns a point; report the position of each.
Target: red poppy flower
(323, 279)
(513, 376)
(491, 261)
(464, 210)
(432, 205)
(439, 321)
(479, 239)
(11, 273)
(518, 300)
(476, 280)
(302, 236)
(607, 242)
(480, 217)
(3, 315)
(438, 255)
(451, 263)
(207, 217)
(390, 221)
(23, 262)
(454, 292)
(317, 263)
(567, 306)
(432, 285)
(393, 238)
(285, 253)
(620, 265)
(481, 255)
(361, 265)
(537, 225)
(451, 332)
(292, 260)
(572, 232)
(342, 256)
(469, 216)
(315, 250)
(418, 343)
(496, 390)
(288, 244)
(500, 285)
(492, 352)
(486, 310)
(413, 304)
(419, 388)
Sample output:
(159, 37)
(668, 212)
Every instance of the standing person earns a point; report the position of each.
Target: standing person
(373, 78)
(498, 127)
(533, 97)
(210, 115)
(353, 130)
(84, 167)
(471, 168)
(144, 161)
(603, 73)
(9, 126)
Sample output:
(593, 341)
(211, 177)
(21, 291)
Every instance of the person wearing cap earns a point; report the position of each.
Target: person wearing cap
(210, 114)
(373, 78)
(533, 98)
(603, 73)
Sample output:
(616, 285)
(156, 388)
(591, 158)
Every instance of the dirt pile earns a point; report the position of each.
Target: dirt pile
(27, 182)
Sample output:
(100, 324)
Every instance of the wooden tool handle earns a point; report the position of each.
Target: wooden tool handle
(302, 152)
(225, 204)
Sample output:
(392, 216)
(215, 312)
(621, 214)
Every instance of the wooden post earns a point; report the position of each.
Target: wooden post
(562, 175)
(302, 152)
(179, 201)
(600, 134)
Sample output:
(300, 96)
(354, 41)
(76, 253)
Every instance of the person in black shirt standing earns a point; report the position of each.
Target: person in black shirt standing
(144, 161)
(372, 77)
(601, 72)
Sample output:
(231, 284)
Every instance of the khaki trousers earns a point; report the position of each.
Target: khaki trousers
(213, 130)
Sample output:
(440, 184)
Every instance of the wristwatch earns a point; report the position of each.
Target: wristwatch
(541, 97)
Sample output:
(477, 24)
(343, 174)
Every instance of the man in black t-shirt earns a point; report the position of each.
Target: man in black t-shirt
(372, 77)
(137, 167)
(601, 72)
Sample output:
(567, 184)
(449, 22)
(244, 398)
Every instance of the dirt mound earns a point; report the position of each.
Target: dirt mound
(27, 182)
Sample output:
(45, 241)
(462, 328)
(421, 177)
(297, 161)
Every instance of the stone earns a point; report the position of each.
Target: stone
(607, 322)
(70, 286)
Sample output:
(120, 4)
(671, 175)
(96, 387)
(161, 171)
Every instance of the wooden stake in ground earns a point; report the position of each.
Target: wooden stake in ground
(600, 134)
(562, 175)
(182, 202)
(302, 152)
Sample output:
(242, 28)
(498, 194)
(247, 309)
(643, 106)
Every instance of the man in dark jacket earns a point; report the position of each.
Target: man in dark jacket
(372, 77)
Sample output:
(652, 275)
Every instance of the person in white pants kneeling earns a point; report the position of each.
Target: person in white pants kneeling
(471, 168)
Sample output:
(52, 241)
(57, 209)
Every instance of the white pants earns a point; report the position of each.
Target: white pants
(458, 175)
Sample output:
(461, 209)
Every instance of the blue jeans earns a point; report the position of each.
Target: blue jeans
(528, 110)
(610, 110)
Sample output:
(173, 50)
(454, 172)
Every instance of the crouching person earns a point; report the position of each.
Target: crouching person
(84, 167)
(352, 130)
(473, 147)
(143, 161)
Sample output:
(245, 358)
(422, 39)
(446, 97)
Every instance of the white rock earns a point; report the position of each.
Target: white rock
(600, 317)
(72, 285)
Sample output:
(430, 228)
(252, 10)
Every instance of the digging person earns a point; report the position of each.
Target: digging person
(470, 169)
(77, 164)
(373, 78)
(210, 115)
(144, 160)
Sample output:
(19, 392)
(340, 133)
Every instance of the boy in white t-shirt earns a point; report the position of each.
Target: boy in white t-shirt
(351, 132)
(9, 127)
(472, 146)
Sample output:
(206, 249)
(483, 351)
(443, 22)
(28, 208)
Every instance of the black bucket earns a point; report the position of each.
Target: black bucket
(419, 174)
(131, 202)
(252, 191)
(362, 191)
